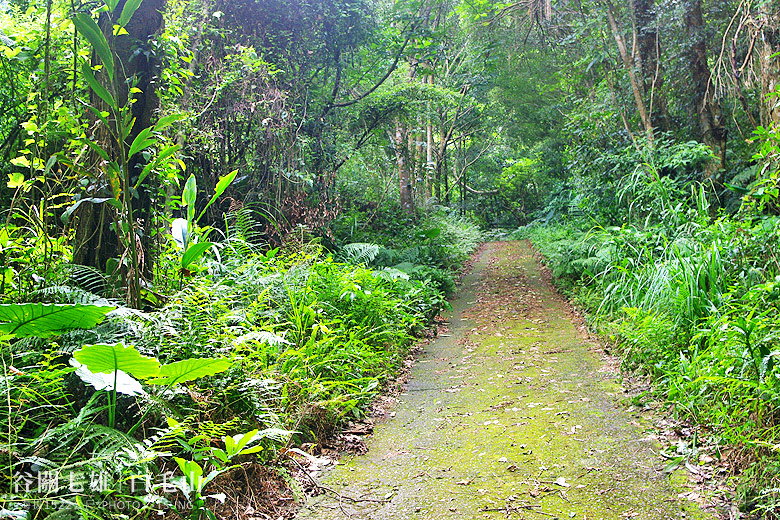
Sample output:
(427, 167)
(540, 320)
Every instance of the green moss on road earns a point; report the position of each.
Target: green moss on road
(514, 413)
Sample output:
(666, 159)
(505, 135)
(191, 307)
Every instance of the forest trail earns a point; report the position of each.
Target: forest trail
(514, 414)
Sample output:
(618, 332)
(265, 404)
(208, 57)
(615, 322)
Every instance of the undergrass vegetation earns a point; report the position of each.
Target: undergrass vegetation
(428, 246)
(243, 354)
(687, 296)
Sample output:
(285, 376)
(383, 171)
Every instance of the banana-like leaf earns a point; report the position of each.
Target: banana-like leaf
(107, 359)
(131, 6)
(99, 89)
(194, 251)
(219, 189)
(87, 27)
(189, 369)
(43, 320)
(125, 384)
(188, 196)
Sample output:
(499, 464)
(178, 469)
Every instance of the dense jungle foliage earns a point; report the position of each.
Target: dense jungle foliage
(226, 222)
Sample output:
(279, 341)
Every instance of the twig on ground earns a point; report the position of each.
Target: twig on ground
(326, 489)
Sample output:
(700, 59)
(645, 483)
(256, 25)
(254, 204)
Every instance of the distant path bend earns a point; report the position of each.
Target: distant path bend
(514, 414)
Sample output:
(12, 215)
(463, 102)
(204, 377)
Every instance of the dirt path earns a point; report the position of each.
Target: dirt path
(514, 414)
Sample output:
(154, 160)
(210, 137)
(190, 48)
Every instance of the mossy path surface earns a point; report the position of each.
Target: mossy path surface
(514, 413)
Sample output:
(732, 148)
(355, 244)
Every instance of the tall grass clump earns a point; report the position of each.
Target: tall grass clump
(688, 297)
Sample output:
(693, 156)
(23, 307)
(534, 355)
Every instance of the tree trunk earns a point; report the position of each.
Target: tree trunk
(710, 121)
(628, 64)
(769, 64)
(135, 58)
(399, 140)
(649, 47)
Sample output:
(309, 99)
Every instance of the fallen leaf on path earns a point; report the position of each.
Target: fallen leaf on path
(691, 468)
(689, 495)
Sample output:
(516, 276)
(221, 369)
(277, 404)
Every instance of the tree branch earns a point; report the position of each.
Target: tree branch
(376, 85)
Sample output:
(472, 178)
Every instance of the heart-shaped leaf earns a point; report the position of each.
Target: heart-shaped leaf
(43, 320)
(109, 358)
(189, 369)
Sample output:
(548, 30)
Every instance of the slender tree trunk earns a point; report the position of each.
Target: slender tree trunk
(628, 64)
(135, 59)
(446, 173)
(769, 63)
(399, 140)
(710, 121)
(649, 47)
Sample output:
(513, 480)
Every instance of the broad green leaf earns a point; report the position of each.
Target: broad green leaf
(65, 217)
(22, 161)
(95, 85)
(223, 184)
(189, 369)
(112, 4)
(193, 473)
(110, 358)
(141, 141)
(193, 252)
(87, 27)
(429, 233)
(188, 197)
(131, 6)
(239, 441)
(219, 189)
(160, 159)
(44, 320)
(15, 180)
(168, 121)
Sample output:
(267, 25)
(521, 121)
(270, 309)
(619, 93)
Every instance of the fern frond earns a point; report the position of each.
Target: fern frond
(359, 253)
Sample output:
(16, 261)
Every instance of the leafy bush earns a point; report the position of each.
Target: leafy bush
(427, 249)
(291, 344)
(686, 298)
